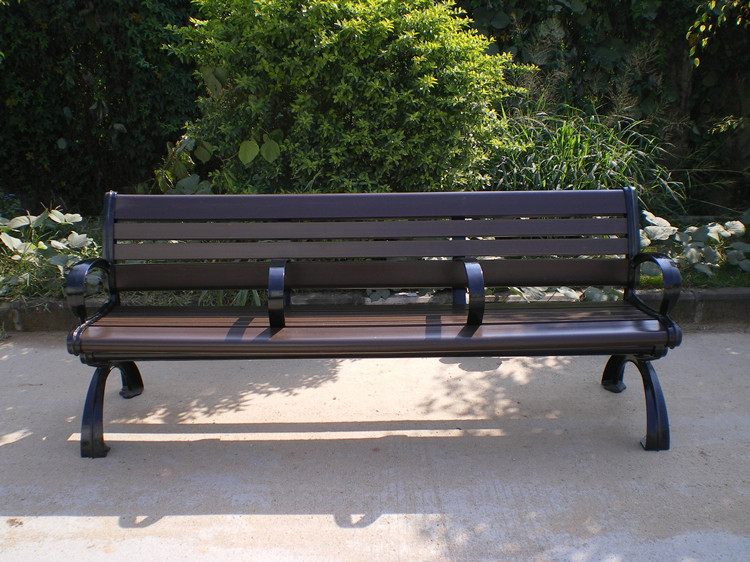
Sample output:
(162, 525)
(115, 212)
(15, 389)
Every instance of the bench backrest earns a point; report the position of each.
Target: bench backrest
(531, 238)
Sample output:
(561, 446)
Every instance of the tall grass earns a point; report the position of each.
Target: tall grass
(571, 150)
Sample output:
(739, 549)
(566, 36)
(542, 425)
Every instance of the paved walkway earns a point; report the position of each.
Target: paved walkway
(377, 460)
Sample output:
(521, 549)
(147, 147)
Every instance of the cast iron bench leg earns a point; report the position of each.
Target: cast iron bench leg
(132, 383)
(657, 422)
(92, 426)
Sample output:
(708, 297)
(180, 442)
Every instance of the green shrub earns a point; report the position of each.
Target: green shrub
(341, 96)
(634, 59)
(88, 96)
(575, 151)
(37, 251)
(704, 248)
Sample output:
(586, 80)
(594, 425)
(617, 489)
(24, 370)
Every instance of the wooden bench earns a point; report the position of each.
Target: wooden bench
(463, 242)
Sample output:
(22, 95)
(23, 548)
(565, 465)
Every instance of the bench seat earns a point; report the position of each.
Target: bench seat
(140, 333)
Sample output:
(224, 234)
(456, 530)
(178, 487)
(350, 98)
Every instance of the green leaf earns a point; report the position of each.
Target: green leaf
(741, 246)
(76, 241)
(249, 149)
(67, 218)
(58, 260)
(10, 241)
(270, 149)
(693, 254)
(660, 232)
(594, 294)
(717, 232)
(703, 268)
(187, 186)
(531, 294)
(711, 256)
(38, 220)
(56, 216)
(656, 221)
(734, 257)
(18, 222)
(212, 82)
(501, 20)
(744, 265)
(221, 75)
(650, 269)
(735, 228)
(62, 144)
(698, 234)
(203, 187)
(277, 135)
(569, 293)
(202, 153)
(578, 6)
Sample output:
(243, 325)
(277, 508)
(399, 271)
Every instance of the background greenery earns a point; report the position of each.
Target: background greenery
(384, 95)
(278, 95)
(679, 67)
(88, 96)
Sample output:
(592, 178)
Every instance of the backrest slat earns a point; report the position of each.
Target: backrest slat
(369, 205)
(379, 249)
(367, 229)
(371, 274)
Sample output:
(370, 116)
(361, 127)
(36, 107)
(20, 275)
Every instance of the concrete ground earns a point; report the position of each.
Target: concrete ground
(377, 460)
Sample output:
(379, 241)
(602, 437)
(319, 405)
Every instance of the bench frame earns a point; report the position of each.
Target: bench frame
(374, 220)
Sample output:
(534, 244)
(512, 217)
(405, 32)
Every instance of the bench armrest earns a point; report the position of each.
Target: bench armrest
(670, 293)
(75, 286)
(278, 295)
(475, 285)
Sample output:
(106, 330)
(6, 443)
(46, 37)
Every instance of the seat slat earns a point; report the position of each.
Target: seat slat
(317, 316)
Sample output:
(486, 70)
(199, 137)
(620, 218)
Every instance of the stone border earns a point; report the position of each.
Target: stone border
(695, 308)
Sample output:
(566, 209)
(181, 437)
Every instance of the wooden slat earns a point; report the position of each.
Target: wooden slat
(371, 274)
(368, 229)
(400, 315)
(555, 272)
(371, 205)
(393, 249)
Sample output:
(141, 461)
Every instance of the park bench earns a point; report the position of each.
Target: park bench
(463, 243)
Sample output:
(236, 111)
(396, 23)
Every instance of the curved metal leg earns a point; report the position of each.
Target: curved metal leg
(613, 372)
(132, 383)
(92, 424)
(657, 421)
(92, 429)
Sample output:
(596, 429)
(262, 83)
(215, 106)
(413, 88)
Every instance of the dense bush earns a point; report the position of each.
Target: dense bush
(340, 96)
(37, 251)
(623, 57)
(634, 59)
(89, 96)
(704, 248)
(572, 150)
